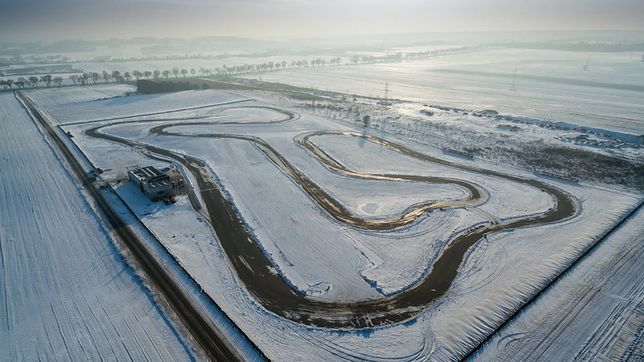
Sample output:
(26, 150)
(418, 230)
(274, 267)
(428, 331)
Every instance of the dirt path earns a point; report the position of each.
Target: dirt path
(274, 293)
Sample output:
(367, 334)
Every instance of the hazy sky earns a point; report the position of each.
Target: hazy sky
(55, 19)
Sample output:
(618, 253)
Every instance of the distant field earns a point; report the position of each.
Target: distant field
(548, 85)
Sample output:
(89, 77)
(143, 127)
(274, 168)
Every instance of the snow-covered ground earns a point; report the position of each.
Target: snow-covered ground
(136, 105)
(332, 261)
(503, 272)
(67, 293)
(593, 313)
(549, 85)
(70, 95)
(421, 119)
(506, 199)
(196, 63)
(389, 265)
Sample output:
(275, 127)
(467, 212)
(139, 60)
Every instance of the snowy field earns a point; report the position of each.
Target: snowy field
(422, 120)
(331, 261)
(71, 95)
(550, 85)
(593, 313)
(98, 106)
(196, 63)
(67, 292)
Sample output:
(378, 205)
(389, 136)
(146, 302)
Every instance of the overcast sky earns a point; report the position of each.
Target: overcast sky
(98, 19)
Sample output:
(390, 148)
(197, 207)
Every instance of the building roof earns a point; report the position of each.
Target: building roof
(151, 176)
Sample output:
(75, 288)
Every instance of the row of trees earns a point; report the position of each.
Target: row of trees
(126, 77)
(33, 81)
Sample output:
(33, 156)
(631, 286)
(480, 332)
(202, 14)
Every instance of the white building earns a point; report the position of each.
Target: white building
(155, 184)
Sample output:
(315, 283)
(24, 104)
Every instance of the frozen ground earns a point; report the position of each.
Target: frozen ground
(572, 152)
(505, 199)
(593, 313)
(196, 63)
(392, 266)
(336, 262)
(67, 293)
(131, 106)
(421, 119)
(501, 273)
(70, 95)
(549, 85)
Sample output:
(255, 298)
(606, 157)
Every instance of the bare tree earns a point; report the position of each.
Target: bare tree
(156, 74)
(3, 83)
(193, 71)
(184, 72)
(137, 74)
(46, 79)
(74, 78)
(106, 76)
(34, 81)
(19, 83)
(147, 74)
(166, 74)
(58, 81)
(95, 77)
(175, 71)
(127, 76)
(116, 75)
(366, 120)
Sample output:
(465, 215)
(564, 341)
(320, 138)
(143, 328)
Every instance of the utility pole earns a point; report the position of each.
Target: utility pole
(386, 93)
(587, 64)
(513, 87)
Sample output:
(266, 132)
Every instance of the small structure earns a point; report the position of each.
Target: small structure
(458, 153)
(155, 184)
(557, 175)
(176, 177)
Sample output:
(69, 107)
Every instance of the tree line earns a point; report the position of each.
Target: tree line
(125, 77)
(33, 81)
(116, 76)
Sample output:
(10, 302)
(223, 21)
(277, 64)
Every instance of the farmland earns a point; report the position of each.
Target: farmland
(67, 291)
(323, 238)
(322, 180)
(541, 84)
